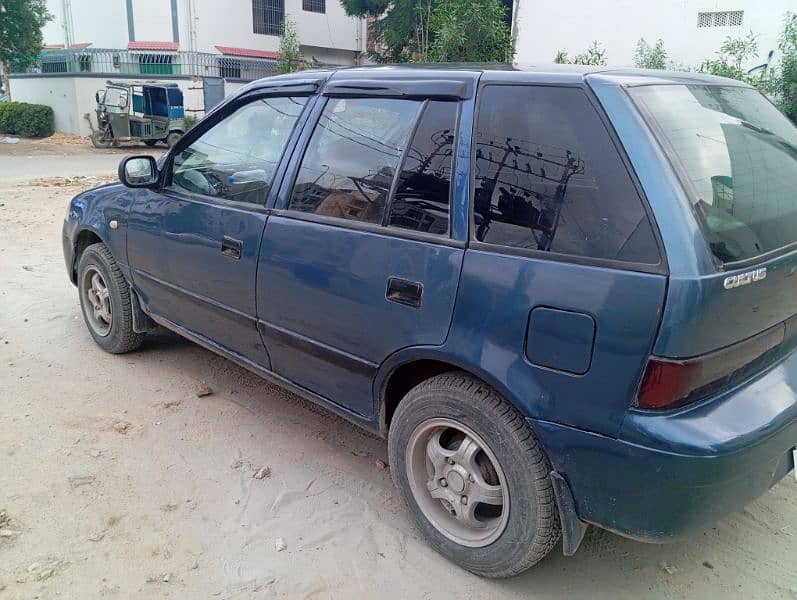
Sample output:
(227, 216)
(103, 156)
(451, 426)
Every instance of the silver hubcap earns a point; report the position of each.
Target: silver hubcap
(457, 482)
(96, 302)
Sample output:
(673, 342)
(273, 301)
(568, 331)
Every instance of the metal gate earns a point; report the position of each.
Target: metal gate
(213, 91)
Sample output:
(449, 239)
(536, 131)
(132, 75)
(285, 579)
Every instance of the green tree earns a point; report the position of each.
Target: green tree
(733, 53)
(21, 23)
(650, 57)
(595, 54)
(785, 76)
(290, 59)
(470, 31)
(398, 29)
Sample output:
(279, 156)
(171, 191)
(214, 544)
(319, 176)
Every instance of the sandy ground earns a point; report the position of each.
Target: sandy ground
(117, 480)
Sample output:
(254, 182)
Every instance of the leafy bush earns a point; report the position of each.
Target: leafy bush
(28, 120)
(785, 78)
(594, 55)
(470, 31)
(650, 57)
(732, 54)
(290, 59)
(189, 121)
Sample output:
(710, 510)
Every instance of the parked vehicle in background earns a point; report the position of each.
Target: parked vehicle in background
(565, 296)
(148, 113)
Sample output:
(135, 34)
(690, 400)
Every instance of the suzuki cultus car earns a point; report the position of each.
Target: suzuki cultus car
(565, 297)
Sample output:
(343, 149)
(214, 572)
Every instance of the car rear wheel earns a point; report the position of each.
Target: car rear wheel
(473, 476)
(105, 301)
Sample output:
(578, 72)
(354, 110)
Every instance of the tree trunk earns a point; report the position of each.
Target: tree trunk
(6, 81)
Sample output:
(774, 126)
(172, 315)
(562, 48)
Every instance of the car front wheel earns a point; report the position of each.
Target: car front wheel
(105, 301)
(473, 476)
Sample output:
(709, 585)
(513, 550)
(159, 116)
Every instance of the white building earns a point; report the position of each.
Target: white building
(692, 30)
(233, 27)
(208, 48)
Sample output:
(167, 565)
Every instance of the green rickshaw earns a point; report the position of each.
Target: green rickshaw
(150, 112)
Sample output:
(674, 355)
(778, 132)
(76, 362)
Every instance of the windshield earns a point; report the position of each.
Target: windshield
(740, 154)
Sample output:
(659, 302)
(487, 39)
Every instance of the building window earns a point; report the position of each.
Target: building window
(230, 68)
(84, 63)
(155, 64)
(728, 18)
(268, 16)
(55, 64)
(319, 6)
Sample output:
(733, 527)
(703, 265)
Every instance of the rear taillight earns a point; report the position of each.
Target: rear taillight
(669, 383)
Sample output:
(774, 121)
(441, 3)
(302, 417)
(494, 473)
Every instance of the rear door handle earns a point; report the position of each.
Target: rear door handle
(404, 291)
(231, 247)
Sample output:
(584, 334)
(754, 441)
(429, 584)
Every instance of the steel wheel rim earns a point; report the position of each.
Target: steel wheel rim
(457, 482)
(97, 302)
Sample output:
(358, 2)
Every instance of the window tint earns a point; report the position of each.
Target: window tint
(236, 159)
(740, 153)
(352, 158)
(421, 202)
(549, 178)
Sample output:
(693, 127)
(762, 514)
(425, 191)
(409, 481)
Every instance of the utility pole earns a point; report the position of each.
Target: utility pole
(69, 28)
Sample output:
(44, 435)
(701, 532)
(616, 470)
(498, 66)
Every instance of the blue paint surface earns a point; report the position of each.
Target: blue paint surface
(566, 342)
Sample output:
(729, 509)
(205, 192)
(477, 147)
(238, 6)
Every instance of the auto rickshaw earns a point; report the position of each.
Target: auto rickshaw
(150, 112)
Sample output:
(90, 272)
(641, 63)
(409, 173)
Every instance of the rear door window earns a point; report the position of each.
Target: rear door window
(549, 179)
(423, 194)
(739, 154)
(352, 158)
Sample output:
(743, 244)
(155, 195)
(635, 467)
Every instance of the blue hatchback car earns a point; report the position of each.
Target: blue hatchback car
(566, 297)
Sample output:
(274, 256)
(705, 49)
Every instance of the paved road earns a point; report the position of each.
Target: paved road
(21, 168)
(36, 158)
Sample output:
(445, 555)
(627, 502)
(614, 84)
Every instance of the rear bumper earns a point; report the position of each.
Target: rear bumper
(671, 474)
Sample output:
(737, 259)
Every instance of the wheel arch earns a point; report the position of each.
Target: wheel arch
(84, 238)
(407, 368)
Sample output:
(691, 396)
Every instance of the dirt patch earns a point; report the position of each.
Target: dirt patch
(250, 492)
(67, 145)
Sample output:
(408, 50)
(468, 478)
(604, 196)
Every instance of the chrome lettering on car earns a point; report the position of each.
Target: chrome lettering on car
(735, 281)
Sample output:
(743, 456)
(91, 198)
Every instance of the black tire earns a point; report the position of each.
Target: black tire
(120, 337)
(532, 528)
(100, 141)
(150, 143)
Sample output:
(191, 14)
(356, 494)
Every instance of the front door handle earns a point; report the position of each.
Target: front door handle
(404, 291)
(231, 247)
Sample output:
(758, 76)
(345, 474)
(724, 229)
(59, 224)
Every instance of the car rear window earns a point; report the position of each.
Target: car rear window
(740, 156)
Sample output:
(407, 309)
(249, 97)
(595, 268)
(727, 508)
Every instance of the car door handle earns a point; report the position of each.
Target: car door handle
(404, 291)
(231, 247)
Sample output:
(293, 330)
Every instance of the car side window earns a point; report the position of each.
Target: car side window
(352, 157)
(237, 158)
(423, 193)
(548, 178)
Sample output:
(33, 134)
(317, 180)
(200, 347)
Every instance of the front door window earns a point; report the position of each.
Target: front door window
(237, 158)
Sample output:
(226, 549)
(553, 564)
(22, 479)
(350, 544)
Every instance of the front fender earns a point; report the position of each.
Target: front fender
(93, 211)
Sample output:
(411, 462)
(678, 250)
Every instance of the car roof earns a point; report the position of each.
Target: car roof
(521, 73)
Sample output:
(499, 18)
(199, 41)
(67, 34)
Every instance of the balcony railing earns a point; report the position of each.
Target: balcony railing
(109, 62)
